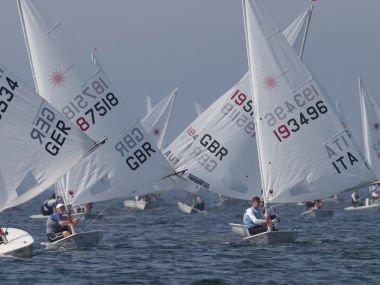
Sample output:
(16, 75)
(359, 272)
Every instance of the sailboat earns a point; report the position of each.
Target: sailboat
(370, 112)
(305, 152)
(155, 123)
(317, 212)
(38, 145)
(219, 147)
(130, 163)
(157, 120)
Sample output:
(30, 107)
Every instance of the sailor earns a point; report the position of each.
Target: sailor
(355, 199)
(309, 205)
(85, 209)
(254, 219)
(145, 198)
(318, 204)
(47, 207)
(222, 199)
(198, 202)
(273, 215)
(374, 196)
(57, 226)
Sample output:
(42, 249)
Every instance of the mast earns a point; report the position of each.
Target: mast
(263, 190)
(60, 189)
(27, 45)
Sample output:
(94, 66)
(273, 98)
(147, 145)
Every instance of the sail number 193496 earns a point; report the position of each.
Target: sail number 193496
(294, 124)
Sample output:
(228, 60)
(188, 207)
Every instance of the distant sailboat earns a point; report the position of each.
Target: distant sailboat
(370, 113)
(38, 145)
(157, 120)
(305, 153)
(155, 123)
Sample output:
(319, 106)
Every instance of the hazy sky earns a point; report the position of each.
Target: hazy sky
(149, 47)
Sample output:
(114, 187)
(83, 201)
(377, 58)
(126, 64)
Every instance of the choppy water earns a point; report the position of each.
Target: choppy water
(161, 245)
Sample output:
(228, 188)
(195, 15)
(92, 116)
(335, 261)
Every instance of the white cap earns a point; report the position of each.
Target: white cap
(59, 205)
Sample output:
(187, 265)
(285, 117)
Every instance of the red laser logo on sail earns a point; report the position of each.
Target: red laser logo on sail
(57, 78)
(270, 82)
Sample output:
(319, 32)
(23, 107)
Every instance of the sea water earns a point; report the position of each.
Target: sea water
(162, 245)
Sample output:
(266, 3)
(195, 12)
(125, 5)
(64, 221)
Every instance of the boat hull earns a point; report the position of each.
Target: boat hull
(240, 230)
(320, 213)
(81, 216)
(78, 240)
(188, 209)
(20, 244)
(133, 204)
(352, 208)
(273, 237)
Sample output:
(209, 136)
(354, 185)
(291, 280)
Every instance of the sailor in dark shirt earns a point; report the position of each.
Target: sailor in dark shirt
(57, 226)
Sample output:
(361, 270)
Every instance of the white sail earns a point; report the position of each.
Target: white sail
(38, 144)
(296, 33)
(76, 182)
(305, 153)
(370, 110)
(149, 104)
(124, 174)
(79, 88)
(69, 80)
(198, 108)
(156, 121)
(219, 147)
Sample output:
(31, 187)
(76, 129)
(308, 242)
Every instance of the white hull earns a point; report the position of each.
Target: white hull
(135, 204)
(320, 213)
(188, 209)
(352, 208)
(240, 230)
(81, 216)
(20, 243)
(273, 237)
(78, 240)
(332, 199)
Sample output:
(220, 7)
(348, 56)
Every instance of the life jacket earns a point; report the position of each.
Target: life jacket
(199, 204)
(47, 210)
(247, 220)
(53, 226)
